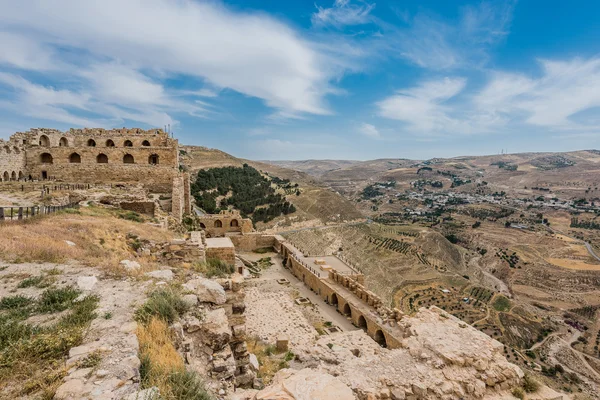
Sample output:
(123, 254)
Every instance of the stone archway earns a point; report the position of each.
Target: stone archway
(380, 338)
(334, 300)
(75, 158)
(21, 175)
(202, 225)
(13, 176)
(218, 224)
(362, 323)
(6, 176)
(128, 159)
(63, 142)
(234, 223)
(46, 158)
(346, 310)
(44, 141)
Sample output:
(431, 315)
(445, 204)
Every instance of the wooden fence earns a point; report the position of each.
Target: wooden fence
(19, 213)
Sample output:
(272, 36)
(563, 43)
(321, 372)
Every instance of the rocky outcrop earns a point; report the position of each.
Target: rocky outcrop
(206, 290)
(306, 384)
(441, 358)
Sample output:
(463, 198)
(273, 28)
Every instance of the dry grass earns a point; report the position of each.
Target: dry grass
(163, 367)
(159, 356)
(99, 237)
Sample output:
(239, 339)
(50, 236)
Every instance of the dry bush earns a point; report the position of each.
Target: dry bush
(99, 237)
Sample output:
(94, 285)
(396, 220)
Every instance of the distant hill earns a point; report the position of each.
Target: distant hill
(570, 174)
(316, 205)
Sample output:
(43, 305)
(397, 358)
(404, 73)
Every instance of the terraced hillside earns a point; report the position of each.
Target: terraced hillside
(390, 257)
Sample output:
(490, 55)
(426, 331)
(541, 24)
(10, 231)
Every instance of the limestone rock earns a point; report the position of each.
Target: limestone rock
(254, 362)
(71, 389)
(306, 384)
(86, 282)
(190, 299)
(214, 330)
(130, 266)
(162, 274)
(69, 243)
(208, 291)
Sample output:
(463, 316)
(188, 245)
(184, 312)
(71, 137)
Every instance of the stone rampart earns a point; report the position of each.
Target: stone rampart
(92, 156)
(141, 207)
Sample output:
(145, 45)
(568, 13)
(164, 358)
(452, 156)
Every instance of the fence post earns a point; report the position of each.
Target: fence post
(20, 212)
(1, 213)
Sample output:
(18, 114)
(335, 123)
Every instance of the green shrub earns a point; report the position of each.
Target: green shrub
(131, 216)
(37, 281)
(215, 268)
(187, 385)
(15, 302)
(58, 299)
(165, 304)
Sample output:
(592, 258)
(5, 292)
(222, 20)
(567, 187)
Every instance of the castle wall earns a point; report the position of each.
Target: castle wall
(251, 242)
(95, 156)
(12, 161)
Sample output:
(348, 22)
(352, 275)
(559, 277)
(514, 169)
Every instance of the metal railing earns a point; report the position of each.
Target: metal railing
(20, 213)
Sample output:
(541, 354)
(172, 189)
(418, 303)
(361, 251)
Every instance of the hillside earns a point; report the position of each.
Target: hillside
(316, 204)
(569, 173)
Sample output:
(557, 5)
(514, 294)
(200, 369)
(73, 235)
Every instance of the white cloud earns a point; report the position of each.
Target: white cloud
(423, 107)
(552, 100)
(343, 13)
(556, 101)
(122, 44)
(436, 44)
(370, 131)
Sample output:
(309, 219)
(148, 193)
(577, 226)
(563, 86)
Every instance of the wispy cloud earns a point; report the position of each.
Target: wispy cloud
(557, 100)
(123, 45)
(343, 13)
(369, 131)
(434, 43)
(423, 107)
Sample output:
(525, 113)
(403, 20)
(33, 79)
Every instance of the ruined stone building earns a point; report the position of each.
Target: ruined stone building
(92, 155)
(227, 222)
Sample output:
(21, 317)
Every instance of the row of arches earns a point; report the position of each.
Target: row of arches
(13, 176)
(75, 158)
(44, 141)
(360, 322)
(233, 224)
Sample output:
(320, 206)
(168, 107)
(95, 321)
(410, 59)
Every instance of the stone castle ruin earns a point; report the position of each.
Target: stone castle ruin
(92, 155)
(226, 223)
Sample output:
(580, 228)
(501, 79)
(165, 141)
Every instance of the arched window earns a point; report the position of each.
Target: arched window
(128, 159)
(75, 158)
(102, 159)
(46, 158)
(153, 159)
(234, 223)
(218, 224)
(13, 176)
(6, 176)
(44, 141)
(145, 143)
(110, 143)
(91, 143)
(347, 311)
(63, 142)
(128, 143)
(21, 175)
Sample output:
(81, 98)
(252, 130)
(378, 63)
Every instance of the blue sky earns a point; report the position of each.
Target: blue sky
(343, 79)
